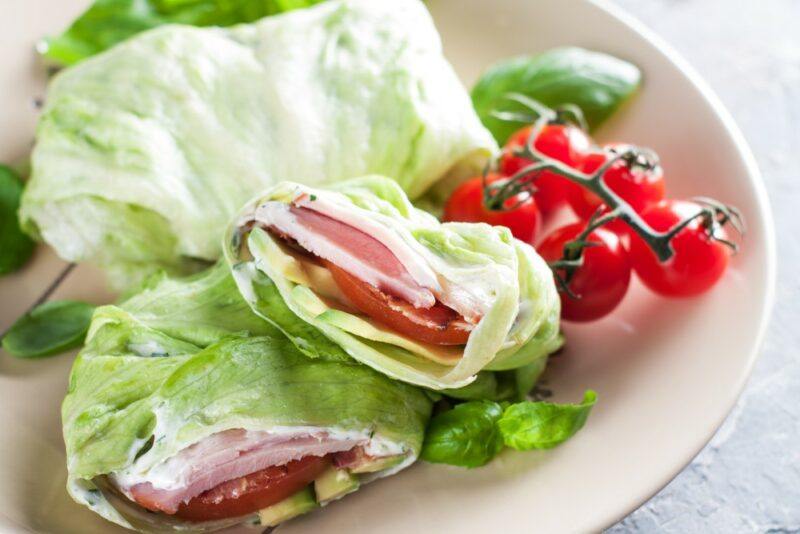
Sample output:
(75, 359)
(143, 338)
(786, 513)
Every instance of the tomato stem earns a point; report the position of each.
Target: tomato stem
(714, 214)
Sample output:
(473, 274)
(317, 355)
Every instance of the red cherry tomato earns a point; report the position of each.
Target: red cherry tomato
(698, 263)
(563, 142)
(637, 185)
(601, 282)
(466, 204)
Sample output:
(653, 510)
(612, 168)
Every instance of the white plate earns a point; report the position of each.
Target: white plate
(667, 372)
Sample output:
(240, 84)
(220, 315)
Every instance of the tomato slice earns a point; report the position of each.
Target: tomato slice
(250, 493)
(438, 325)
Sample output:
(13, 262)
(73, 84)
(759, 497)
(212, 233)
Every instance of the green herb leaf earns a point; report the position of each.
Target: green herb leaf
(543, 425)
(107, 22)
(467, 435)
(50, 328)
(15, 246)
(597, 83)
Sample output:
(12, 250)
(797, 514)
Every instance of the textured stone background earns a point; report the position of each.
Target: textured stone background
(748, 478)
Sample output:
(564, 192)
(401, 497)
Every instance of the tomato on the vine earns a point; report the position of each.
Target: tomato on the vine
(698, 263)
(601, 282)
(639, 184)
(520, 213)
(563, 142)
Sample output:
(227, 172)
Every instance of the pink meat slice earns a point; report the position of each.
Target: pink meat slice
(228, 455)
(349, 248)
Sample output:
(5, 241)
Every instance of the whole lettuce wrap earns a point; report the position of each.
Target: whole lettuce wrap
(144, 152)
(186, 364)
(503, 291)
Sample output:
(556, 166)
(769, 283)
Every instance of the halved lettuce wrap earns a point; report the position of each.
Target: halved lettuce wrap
(421, 301)
(144, 152)
(181, 392)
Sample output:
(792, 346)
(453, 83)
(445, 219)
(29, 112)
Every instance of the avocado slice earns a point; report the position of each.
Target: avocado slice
(378, 464)
(301, 502)
(334, 484)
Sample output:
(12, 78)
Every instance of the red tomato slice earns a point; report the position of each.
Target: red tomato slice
(438, 325)
(250, 493)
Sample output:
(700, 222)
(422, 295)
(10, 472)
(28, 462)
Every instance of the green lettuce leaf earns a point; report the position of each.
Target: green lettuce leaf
(186, 359)
(466, 436)
(108, 22)
(519, 326)
(595, 82)
(145, 152)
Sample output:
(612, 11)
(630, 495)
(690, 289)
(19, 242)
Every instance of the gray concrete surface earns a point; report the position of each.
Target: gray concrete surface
(748, 478)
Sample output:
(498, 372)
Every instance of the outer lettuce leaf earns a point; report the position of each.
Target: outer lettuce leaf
(108, 22)
(159, 370)
(144, 152)
(519, 329)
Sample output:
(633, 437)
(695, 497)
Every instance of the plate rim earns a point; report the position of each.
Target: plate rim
(761, 201)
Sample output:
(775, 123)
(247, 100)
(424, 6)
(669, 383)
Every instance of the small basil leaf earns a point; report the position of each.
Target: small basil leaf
(597, 83)
(107, 22)
(15, 246)
(543, 425)
(467, 435)
(50, 328)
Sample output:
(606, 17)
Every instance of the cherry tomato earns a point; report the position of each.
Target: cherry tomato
(250, 493)
(698, 263)
(639, 186)
(563, 142)
(438, 325)
(466, 204)
(601, 282)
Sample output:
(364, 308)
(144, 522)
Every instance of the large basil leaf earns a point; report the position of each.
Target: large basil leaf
(50, 328)
(107, 22)
(543, 425)
(15, 247)
(597, 83)
(467, 435)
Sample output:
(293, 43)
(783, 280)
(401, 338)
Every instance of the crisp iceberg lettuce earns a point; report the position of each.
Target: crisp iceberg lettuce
(502, 291)
(144, 152)
(186, 363)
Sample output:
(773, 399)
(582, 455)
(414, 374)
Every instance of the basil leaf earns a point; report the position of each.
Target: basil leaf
(467, 435)
(15, 246)
(108, 22)
(50, 328)
(597, 83)
(543, 425)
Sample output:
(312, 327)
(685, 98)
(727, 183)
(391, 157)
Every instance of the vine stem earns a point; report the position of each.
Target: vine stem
(713, 213)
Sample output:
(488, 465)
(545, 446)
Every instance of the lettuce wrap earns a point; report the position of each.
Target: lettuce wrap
(144, 152)
(182, 396)
(421, 301)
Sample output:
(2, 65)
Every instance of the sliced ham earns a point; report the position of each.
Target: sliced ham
(348, 247)
(221, 457)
